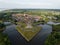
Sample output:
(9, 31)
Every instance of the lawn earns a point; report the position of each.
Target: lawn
(28, 33)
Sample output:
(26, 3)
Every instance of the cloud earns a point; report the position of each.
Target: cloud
(8, 4)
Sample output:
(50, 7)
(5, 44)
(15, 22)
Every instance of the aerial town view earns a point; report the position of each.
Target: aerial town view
(29, 22)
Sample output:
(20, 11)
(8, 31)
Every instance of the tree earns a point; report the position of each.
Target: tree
(2, 26)
(53, 39)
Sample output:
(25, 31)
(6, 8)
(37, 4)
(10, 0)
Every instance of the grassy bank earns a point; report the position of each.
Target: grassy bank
(28, 33)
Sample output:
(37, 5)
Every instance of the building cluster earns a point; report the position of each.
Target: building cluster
(26, 17)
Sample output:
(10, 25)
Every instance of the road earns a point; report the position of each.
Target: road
(17, 39)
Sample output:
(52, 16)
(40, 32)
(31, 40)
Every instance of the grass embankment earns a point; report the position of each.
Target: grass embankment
(28, 33)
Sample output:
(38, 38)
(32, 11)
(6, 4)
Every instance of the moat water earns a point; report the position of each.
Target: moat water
(17, 39)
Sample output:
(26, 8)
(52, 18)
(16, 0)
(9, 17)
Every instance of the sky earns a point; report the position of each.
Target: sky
(26, 4)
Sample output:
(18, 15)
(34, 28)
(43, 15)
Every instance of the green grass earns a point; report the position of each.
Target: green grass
(28, 33)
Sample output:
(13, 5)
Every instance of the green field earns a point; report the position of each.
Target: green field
(28, 33)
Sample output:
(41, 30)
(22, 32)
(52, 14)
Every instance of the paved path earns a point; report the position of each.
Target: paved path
(17, 39)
